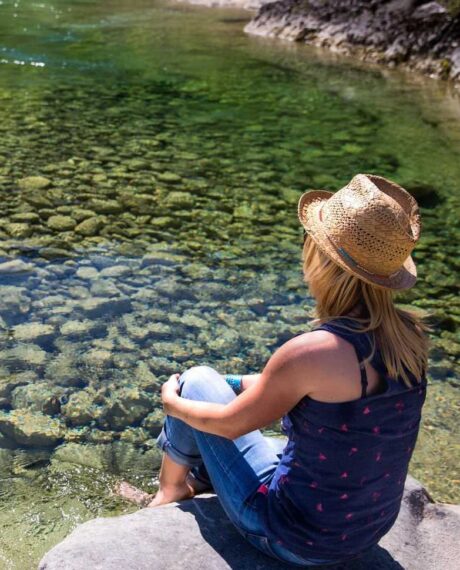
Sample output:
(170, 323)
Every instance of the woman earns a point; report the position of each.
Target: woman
(349, 393)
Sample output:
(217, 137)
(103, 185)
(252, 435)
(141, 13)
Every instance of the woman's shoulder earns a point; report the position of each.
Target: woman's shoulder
(326, 364)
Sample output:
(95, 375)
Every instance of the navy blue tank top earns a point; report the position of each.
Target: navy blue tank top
(339, 483)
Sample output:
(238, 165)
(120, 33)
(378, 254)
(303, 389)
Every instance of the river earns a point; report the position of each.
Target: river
(151, 159)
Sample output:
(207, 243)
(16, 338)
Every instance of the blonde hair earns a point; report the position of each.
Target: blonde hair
(400, 334)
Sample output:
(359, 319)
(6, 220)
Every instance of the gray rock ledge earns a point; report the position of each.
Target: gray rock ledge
(197, 535)
(420, 35)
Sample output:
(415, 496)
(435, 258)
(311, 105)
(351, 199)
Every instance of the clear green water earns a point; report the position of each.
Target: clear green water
(172, 149)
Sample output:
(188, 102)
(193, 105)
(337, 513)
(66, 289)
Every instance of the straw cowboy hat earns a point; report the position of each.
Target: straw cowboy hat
(369, 227)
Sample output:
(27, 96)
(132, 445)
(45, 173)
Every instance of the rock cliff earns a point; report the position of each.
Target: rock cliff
(412, 33)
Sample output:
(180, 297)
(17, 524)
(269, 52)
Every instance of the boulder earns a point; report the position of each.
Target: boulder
(197, 535)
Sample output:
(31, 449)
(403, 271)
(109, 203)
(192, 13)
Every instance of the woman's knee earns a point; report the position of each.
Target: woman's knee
(196, 377)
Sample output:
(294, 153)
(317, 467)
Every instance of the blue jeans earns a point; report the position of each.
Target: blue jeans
(234, 468)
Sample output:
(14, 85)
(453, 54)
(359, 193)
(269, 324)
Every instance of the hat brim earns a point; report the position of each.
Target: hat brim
(308, 212)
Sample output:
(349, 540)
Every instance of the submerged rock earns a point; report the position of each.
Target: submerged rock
(15, 266)
(90, 226)
(32, 429)
(34, 183)
(80, 408)
(18, 230)
(35, 332)
(61, 223)
(38, 397)
(8, 382)
(124, 408)
(95, 307)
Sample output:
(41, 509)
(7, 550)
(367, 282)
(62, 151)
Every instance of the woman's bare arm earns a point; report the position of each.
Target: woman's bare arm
(248, 380)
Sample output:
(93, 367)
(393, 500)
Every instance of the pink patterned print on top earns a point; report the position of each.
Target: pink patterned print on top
(347, 464)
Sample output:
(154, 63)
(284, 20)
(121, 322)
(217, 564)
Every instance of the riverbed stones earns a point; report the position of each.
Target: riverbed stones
(95, 307)
(38, 397)
(61, 223)
(89, 226)
(116, 271)
(33, 183)
(35, 332)
(32, 429)
(80, 409)
(14, 266)
(126, 407)
(137, 202)
(18, 230)
(25, 217)
(105, 206)
(25, 355)
(87, 273)
(79, 329)
(10, 381)
(169, 177)
(154, 421)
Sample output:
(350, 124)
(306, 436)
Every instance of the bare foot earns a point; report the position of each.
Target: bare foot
(133, 494)
(172, 494)
(198, 486)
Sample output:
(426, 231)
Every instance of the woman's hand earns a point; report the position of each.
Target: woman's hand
(169, 392)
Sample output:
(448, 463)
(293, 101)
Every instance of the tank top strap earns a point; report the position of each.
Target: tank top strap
(356, 339)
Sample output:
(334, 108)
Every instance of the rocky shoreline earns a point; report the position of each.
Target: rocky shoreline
(412, 34)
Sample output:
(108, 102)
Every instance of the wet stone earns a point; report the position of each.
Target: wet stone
(88, 273)
(145, 378)
(15, 266)
(99, 306)
(138, 202)
(26, 217)
(90, 226)
(62, 370)
(79, 329)
(125, 407)
(98, 357)
(154, 422)
(9, 382)
(38, 397)
(24, 356)
(104, 288)
(34, 183)
(32, 429)
(80, 408)
(116, 271)
(169, 177)
(61, 223)
(18, 230)
(35, 332)
(161, 258)
(105, 206)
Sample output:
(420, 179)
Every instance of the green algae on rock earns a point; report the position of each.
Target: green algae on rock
(32, 429)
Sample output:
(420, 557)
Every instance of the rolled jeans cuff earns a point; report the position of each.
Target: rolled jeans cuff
(176, 455)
